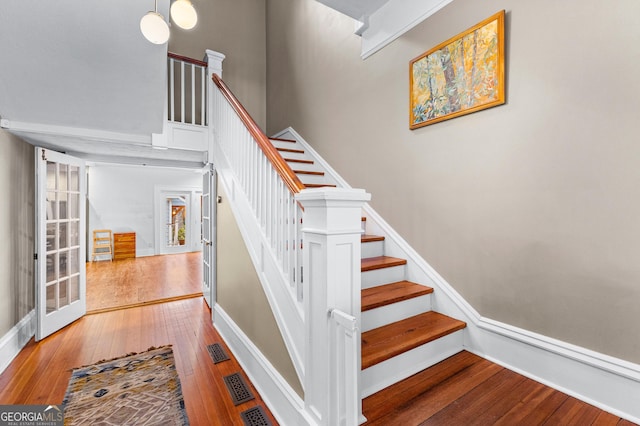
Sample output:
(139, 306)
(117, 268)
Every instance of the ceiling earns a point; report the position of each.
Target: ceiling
(77, 76)
(357, 9)
(74, 68)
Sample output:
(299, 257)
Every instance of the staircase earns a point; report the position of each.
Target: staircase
(349, 333)
(401, 334)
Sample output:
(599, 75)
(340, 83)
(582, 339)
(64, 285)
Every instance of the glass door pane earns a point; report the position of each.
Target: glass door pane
(176, 214)
(60, 241)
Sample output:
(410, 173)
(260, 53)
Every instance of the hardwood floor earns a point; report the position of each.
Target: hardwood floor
(40, 373)
(131, 282)
(468, 390)
(462, 390)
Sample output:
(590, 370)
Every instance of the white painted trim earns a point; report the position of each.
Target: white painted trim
(160, 192)
(576, 353)
(290, 133)
(12, 343)
(286, 310)
(285, 404)
(603, 381)
(394, 19)
(77, 132)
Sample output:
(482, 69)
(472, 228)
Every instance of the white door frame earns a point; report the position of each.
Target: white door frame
(209, 246)
(193, 240)
(57, 309)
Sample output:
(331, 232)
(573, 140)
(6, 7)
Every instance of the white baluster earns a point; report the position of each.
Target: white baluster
(203, 96)
(172, 88)
(182, 92)
(193, 94)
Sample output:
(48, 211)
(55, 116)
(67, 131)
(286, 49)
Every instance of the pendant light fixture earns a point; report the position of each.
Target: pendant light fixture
(184, 14)
(154, 27)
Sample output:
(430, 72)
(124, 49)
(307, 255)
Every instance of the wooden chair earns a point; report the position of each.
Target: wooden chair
(102, 244)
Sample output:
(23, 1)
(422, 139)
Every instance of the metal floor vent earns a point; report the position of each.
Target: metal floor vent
(217, 353)
(238, 389)
(255, 417)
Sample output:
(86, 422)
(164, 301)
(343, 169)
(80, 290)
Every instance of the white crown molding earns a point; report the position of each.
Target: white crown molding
(395, 18)
(12, 343)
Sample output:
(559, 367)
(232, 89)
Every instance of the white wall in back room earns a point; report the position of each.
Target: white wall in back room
(121, 198)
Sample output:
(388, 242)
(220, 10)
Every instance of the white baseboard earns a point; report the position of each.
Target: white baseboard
(12, 343)
(608, 383)
(285, 404)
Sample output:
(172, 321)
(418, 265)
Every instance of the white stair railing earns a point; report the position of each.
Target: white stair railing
(262, 190)
(305, 246)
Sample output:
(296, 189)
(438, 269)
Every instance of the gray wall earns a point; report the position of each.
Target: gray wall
(237, 29)
(17, 184)
(240, 294)
(530, 210)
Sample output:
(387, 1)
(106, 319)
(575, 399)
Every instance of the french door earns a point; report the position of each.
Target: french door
(61, 241)
(208, 235)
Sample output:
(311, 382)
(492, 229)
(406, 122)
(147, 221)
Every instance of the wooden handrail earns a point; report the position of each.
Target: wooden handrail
(279, 164)
(187, 59)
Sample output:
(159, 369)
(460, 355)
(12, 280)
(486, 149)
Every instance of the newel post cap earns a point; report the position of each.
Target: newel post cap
(214, 60)
(332, 197)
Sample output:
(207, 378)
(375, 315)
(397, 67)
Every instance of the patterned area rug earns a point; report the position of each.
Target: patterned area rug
(141, 389)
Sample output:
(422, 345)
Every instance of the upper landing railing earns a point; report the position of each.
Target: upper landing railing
(187, 90)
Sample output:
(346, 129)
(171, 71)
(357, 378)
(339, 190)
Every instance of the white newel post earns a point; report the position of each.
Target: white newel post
(214, 66)
(331, 234)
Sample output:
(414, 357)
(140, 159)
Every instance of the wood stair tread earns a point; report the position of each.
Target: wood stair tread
(295, 160)
(387, 294)
(282, 140)
(396, 338)
(380, 262)
(296, 151)
(368, 238)
(308, 172)
(319, 185)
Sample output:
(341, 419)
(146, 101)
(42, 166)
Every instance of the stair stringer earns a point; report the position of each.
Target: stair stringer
(275, 283)
(568, 368)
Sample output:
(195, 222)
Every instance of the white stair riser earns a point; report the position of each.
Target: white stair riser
(296, 155)
(400, 367)
(383, 276)
(311, 178)
(384, 315)
(303, 166)
(372, 249)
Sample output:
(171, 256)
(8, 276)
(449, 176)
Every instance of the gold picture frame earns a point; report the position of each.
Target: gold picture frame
(462, 75)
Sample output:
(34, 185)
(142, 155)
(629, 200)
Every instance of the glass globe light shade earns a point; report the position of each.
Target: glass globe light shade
(154, 28)
(184, 14)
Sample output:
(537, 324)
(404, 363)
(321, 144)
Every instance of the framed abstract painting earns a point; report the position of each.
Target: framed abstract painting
(462, 75)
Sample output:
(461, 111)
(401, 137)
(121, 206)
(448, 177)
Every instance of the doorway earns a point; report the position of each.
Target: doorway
(143, 280)
(178, 224)
(160, 206)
